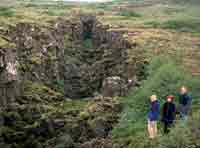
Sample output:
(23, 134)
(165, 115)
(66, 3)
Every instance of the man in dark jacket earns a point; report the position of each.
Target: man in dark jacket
(168, 113)
(185, 101)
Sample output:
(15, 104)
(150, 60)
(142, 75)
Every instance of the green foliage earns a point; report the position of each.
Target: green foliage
(182, 25)
(127, 13)
(165, 78)
(64, 141)
(74, 105)
(59, 86)
(191, 2)
(103, 6)
(154, 24)
(38, 92)
(88, 44)
(7, 12)
(188, 135)
(173, 10)
(179, 25)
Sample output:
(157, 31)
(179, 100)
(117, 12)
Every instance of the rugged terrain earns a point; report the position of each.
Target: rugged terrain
(77, 75)
(43, 66)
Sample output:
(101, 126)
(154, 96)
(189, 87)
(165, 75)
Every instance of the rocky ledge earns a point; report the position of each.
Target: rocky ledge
(41, 66)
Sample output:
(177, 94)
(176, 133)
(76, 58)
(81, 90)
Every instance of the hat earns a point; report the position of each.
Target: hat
(170, 97)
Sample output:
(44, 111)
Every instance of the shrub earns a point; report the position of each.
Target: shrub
(182, 25)
(127, 13)
(59, 86)
(188, 135)
(88, 44)
(153, 24)
(179, 25)
(7, 12)
(38, 92)
(165, 78)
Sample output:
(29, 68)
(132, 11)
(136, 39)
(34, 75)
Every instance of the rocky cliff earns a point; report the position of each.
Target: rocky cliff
(80, 53)
(40, 66)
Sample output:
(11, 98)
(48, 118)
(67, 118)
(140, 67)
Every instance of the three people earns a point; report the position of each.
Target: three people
(168, 111)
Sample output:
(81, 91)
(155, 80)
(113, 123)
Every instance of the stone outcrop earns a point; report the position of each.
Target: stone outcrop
(80, 52)
(98, 55)
(114, 86)
(42, 65)
(9, 75)
(91, 126)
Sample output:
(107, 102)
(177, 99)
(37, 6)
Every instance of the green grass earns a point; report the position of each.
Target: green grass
(129, 14)
(192, 26)
(182, 25)
(165, 78)
(6, 12)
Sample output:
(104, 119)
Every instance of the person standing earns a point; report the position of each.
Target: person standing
(168, 113)
(185, 101)
(153, 116)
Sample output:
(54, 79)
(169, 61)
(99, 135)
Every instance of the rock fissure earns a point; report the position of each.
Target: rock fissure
(40, 66)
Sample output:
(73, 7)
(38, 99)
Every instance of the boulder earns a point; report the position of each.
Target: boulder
(113, 86)
(9, 76)
(64, 141)
(101, 127)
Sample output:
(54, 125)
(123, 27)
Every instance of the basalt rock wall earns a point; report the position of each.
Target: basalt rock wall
(76, 57)
(80, 52)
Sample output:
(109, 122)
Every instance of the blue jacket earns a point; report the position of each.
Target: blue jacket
(154, 112)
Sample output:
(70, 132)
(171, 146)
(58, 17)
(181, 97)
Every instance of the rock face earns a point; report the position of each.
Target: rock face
(40, 64)
(80, 52)
(98, 54)
(9, 76)
(114, 86)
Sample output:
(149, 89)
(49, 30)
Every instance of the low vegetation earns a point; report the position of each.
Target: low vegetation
(129, 14)
(164, 78)
(7, 12)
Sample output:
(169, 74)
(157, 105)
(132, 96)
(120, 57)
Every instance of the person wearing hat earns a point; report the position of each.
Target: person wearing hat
(168, 113)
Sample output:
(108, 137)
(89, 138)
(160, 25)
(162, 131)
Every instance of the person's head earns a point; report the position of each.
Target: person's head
(153, 98)
(170, 98)
(183, 90)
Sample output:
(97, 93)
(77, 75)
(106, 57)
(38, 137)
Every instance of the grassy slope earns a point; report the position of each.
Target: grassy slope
(161, 29)
(165, 78)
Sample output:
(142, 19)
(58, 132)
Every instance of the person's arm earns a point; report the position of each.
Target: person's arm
(174, 111)
(189, 102)
(163, 111)
(179, 98)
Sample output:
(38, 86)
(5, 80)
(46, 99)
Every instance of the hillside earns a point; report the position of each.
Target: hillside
(79, 75)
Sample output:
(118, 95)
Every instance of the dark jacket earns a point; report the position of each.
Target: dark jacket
(168, 112)
(154, 112)
(185, 101)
